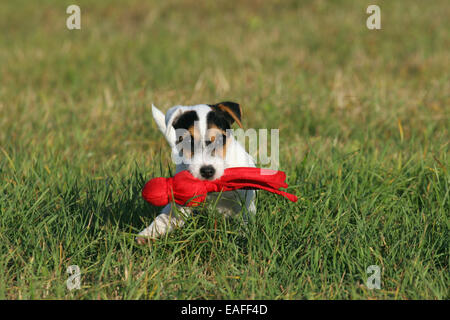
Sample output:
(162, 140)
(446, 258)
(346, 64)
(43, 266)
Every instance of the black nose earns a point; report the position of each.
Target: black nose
(207, 171)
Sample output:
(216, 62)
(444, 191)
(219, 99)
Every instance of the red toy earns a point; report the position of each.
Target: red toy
(190, 191)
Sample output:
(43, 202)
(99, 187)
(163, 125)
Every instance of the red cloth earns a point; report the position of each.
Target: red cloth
(190, 191)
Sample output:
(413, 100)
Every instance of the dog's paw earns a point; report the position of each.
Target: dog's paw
(143, 240)
(146, 236)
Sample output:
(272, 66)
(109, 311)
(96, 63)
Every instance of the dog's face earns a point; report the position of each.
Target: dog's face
(201, 138)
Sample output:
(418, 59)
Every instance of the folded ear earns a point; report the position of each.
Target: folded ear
(231, 110)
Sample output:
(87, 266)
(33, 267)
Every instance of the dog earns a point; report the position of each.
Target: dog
(202, 142)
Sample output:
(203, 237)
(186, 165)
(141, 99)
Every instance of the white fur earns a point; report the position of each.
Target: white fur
(236, 156)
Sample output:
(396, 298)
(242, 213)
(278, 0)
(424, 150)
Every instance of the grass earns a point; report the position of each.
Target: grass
(363, 118)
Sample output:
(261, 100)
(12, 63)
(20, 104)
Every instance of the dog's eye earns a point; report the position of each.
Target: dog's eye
(186, 138)
(182, 138)
(217, 140)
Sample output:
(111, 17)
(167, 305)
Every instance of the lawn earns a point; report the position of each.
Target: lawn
(363, 118)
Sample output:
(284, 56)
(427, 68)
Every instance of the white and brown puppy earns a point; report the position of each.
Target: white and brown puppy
(202, 142)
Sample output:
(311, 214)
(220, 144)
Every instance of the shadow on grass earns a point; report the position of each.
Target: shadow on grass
(109, 204)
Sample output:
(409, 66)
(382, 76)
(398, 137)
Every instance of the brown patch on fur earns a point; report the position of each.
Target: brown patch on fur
(192, 131)
(195, 135)
(188, 138)
(213, 132)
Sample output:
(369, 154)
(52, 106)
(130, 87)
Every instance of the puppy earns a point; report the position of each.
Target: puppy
(202, 142)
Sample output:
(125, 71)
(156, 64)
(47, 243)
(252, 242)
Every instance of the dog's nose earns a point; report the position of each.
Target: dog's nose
(207, 171)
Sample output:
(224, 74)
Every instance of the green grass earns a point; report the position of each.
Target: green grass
(363, 118)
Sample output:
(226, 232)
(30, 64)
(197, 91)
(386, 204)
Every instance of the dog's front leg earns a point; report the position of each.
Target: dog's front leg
(164, 223)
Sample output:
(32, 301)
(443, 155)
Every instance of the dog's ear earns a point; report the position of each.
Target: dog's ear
(232, 111)
(164, 122)
(171, 116)
(159, 118)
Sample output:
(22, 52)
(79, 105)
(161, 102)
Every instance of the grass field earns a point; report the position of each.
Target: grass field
(363, 118)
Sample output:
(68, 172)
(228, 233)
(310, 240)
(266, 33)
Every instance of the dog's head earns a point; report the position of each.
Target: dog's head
(200, 136)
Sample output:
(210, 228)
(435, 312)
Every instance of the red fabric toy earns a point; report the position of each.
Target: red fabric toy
(190, 191)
